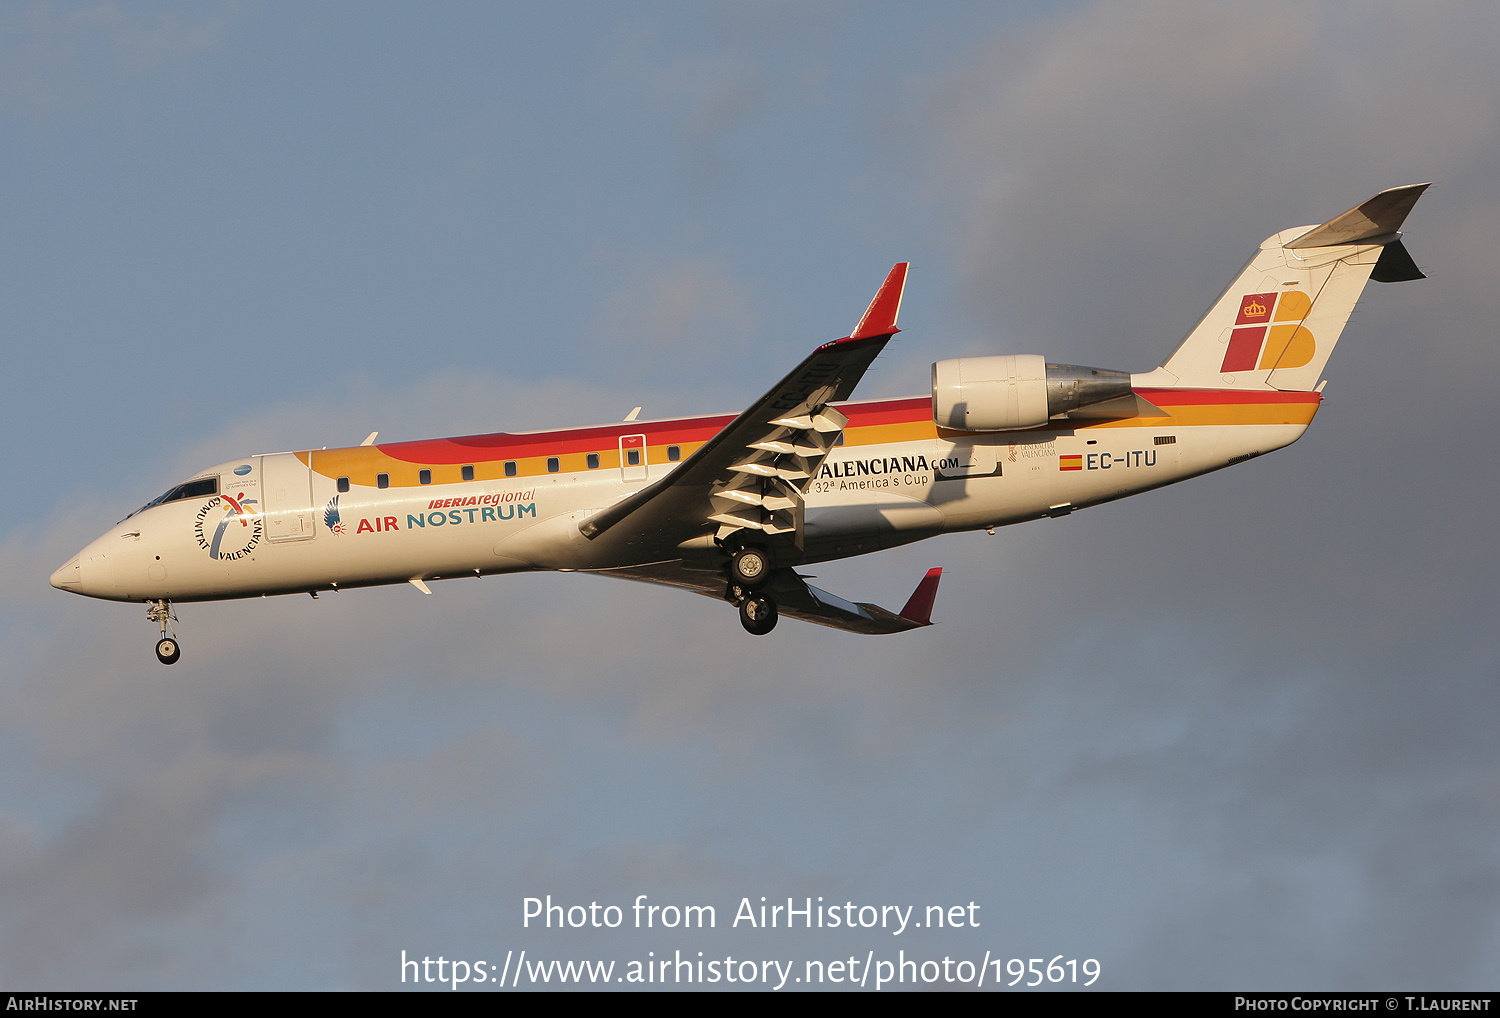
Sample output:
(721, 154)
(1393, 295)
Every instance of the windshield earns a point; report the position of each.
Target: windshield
(196, 488)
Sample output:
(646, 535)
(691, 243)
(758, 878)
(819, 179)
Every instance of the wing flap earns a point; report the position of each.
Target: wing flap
(768, 453)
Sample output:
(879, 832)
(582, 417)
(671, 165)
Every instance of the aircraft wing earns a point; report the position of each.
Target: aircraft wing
(752, 475)
(797, 598)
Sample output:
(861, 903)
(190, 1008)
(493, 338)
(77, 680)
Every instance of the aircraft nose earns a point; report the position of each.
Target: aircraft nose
(69, 577)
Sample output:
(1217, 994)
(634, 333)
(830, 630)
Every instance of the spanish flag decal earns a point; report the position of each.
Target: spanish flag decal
(1070, 463)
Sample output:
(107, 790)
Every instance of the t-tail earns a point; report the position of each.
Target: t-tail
(1277, 323)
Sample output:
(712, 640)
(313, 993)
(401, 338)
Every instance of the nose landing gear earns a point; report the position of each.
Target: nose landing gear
(168, 650)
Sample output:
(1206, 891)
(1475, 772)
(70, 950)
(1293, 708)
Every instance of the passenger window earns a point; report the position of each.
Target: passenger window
(510, 468)
(424, 476)
(553, 466)
(343, 484)
(593, 461)
(633, 457)
(674, 453)
(469, 472)
(382, 480)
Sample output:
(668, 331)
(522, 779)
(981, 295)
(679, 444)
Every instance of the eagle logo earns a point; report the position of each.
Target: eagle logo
(331, 516)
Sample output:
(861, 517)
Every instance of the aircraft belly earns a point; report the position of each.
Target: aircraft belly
(881, 516)
(1210, 448)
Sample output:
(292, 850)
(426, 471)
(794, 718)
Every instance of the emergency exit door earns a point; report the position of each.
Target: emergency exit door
(633, 457)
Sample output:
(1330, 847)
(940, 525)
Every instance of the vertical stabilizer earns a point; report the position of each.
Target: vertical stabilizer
(1279, 320)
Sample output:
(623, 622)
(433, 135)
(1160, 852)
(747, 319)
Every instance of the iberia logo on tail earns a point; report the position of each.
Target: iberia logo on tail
(1261, 340)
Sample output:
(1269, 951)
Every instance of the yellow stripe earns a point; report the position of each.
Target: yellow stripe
(361, 463)
(883, 434)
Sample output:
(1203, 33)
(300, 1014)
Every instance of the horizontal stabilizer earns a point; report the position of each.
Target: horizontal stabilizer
(1277, 322)
(1381, 216)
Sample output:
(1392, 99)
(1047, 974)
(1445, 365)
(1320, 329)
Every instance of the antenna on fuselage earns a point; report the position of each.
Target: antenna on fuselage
(633, 414)
(370, 438)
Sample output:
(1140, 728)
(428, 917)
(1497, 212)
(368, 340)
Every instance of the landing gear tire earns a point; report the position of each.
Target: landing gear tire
(167, 650)
(758, 614)
(750, 568)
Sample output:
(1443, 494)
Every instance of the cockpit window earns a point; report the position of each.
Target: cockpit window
(197, 488)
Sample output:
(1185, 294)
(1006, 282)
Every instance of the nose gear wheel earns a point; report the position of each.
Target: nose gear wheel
(168, 650)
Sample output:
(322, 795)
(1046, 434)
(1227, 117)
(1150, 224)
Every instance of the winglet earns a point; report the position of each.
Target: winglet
(880, 316)
(919, 607)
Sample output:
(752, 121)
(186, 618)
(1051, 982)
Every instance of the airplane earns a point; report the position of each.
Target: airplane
(732, 506)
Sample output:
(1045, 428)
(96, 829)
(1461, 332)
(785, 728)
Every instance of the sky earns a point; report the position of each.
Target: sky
(1234, 734)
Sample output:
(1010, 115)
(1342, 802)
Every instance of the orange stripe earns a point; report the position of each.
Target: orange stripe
(1221, 414)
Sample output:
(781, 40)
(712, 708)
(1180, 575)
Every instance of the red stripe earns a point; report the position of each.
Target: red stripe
(888, 411)
(505, 445)
(1206, 397)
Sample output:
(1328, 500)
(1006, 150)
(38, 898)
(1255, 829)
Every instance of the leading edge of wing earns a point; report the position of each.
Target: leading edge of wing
(798, 599)
(829, 374)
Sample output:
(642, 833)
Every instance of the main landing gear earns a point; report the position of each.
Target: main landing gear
(168, 650)
(749, 570)
(758, 614)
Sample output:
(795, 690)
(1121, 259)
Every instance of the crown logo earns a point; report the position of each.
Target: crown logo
(1254, 309)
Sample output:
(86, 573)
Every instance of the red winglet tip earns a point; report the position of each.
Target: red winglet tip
(919, 608)
(880, 316)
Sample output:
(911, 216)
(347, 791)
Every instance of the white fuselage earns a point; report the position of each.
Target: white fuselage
(274, 525)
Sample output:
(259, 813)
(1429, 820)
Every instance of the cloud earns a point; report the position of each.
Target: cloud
(1110, 143)
(678, 310)
(705, 96)
(1289, 653)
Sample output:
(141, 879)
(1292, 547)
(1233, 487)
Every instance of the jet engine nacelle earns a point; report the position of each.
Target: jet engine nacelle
(1013, 392)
